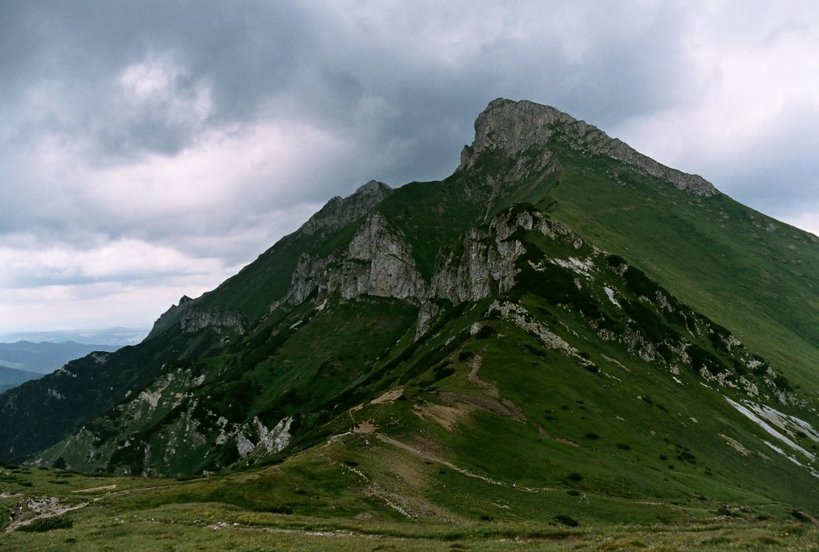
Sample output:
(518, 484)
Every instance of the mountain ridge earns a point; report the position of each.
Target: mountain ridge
(551, 303)
(514, 127)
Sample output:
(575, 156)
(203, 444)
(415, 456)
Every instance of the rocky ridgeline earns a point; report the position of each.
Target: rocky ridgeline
(336, 213)
(191, 319)
(378, 261)
(514, 127)
(339, 212)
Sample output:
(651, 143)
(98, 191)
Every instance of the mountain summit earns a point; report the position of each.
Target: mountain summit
(561, 317)
(515, 127)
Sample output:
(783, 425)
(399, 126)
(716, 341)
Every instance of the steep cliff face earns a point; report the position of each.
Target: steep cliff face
(190, 318)
(379, 262)
(220, 322)
(170, 317)
(487, 262)
(513, 127)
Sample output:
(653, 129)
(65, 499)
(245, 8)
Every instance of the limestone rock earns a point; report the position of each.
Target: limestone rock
(220, 322)
(192, 318)
(487, 260)
(338, 212)
(378, 261)
(513, 127)
(170, 317)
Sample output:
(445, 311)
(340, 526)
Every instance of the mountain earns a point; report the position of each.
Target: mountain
(45, 357)
(11, 377)
(110, 338)
(563, 329)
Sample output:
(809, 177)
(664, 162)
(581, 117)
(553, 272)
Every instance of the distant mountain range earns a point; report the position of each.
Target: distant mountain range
(110, 337)
(12, 377)
(24, 360)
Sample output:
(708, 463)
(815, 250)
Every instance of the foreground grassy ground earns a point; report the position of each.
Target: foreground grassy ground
(52, 510)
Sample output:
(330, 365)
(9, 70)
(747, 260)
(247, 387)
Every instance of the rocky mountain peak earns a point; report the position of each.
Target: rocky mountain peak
(341, 211)
(373, 188)
(512, 127)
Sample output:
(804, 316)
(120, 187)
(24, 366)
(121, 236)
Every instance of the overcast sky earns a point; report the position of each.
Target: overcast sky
(151, 149)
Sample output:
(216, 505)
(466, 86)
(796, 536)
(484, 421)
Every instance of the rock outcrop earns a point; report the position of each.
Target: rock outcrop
(488, 260)
(513, 127)
(220, 322)
(190, 317)
(378, 261)
(170, 317)
(338, 212)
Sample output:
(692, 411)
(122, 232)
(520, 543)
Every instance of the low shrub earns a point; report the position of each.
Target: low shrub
(566, 520)
(42, 525)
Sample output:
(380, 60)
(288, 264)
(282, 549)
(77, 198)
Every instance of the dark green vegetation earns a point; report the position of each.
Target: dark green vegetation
(551, 345)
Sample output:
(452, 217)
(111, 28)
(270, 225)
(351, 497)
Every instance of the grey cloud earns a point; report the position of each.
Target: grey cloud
(284, 54)
(395, 98)
(777, 172)
(246, 54)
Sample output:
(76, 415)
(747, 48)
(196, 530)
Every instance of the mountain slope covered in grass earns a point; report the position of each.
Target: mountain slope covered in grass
(563, 331)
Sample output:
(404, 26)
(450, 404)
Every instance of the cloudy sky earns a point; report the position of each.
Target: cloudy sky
(150, 149)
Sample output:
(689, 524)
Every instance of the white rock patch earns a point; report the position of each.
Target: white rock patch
(610, 295)
(812, 471)
(751, 415)
(582, 267)
(244, 445)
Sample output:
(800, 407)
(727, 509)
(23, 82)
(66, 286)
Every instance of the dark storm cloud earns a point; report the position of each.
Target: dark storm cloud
(247, 53)
(191, 135)
(288, 57)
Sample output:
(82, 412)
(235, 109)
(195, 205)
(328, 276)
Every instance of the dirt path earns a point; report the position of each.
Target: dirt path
(44, 508)
(96, 489)
(462, 471)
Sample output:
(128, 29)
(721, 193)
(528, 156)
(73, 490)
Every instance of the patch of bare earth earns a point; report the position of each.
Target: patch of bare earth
(365, 427)
(390, 396)
(446, 416)
(736, 445)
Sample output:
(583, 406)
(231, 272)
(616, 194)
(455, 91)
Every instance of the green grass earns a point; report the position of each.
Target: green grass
(714, 254)
(122, 520)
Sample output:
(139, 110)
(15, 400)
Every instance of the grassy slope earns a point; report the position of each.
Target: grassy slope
(492, 437)
(147, 514)
(750, 273)
(287, 366)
